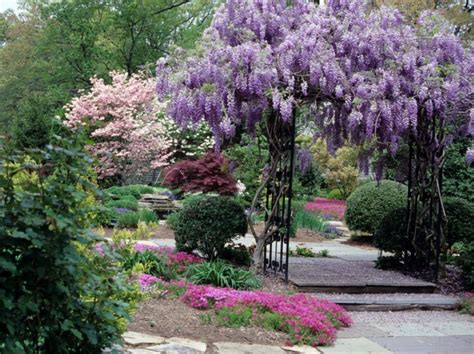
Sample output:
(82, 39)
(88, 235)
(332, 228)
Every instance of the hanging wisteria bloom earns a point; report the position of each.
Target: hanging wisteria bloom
(370, 74)
(305, 159)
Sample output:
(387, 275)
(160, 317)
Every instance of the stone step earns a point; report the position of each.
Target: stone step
(393, 302)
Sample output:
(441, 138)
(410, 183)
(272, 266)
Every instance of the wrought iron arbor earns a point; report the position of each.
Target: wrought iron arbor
(278, 216)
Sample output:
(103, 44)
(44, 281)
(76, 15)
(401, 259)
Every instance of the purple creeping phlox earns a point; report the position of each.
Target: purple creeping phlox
(329, 208)
(179, 259)
(147, 280)
(307, 320)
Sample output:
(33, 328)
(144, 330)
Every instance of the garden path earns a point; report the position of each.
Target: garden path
(413, 332)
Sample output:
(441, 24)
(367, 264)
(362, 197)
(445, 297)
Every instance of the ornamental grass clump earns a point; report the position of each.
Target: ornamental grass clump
(306, 319)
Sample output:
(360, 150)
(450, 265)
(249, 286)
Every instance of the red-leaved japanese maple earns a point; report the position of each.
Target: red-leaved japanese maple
(208, 174)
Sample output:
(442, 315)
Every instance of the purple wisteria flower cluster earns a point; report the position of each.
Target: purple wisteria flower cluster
(372, 75)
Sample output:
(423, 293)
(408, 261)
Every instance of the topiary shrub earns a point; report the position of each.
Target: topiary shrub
(391, 234)
(371, 202)
(208, 223)
(460, 215)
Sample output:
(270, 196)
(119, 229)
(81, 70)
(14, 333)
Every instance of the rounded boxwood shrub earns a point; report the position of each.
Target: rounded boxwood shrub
(207, 223)
(371, 202)
(460, 215)
(391, 234)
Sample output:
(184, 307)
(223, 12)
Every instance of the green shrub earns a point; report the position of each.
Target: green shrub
(387, 262)
(172, 220)
(237, 255)
(391, 234)
(222, 274)
(122, 203)
(309, 220)
(302, 252)
(460, 215)
(150, 263)
(56, 295)
(371, 202)
(131, 219)
(135, 190)
(465, 260)
(208, 223)
(335, 194)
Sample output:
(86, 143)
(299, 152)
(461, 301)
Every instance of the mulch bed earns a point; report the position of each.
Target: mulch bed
(172, 318)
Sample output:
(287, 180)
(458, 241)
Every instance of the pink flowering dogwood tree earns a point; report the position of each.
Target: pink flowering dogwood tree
(369, 78)
(123, 122)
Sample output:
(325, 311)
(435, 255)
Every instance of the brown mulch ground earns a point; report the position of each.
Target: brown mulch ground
(172, 318)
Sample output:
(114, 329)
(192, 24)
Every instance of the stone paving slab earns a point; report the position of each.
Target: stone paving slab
(452, 328)
(135, 338)
(408, 329)
(239, 348)
(359, 330)
(425, 345)
(354, 346)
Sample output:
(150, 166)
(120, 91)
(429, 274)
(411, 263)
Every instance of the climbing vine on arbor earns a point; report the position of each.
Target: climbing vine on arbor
(368, 78)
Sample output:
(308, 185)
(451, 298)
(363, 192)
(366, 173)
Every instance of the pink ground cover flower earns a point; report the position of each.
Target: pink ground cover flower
(302, 313)
(147, 280)
(174, 259)
(329, 208)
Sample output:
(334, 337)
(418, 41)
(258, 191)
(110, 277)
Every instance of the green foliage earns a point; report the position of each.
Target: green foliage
(122, 203)
(388, 262)
(55, 295)
(222, 274)
(458, 177)
(460, 215)
(339, 171)
(208, 223)
(172, 220)
(302, 252)
(237, 254)
(51, 49)
(303, 219)
(131, 219)
(235, 317)
(371, 202)
(150, 263)
(249, 156)
(335, 194)
(465, 259)
(134, 190)
(391, 233)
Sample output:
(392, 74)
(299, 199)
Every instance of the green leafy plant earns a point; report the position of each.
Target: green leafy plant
(122, 203)
(371, 202)
(460, 220)
(302, 252)
(323, 253)
(307, 219)
(135, 190)
(172, 220)
(131, 219)
(388, 262)
(465, 258)
(56, 296)
(391, 233)
(208, 223)
(235, 317)
(237, 254)
(222, 274)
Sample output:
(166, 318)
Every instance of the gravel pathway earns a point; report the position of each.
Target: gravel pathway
(403, 317)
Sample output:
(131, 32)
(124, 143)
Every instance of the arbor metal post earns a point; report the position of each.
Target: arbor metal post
(278, 200)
